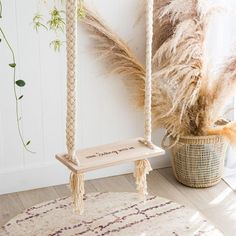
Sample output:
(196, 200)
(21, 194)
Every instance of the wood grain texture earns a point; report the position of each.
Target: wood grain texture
(217, 203)
(10, 205)
(32, 197)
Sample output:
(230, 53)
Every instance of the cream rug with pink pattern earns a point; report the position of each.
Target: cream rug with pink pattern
(115, 214)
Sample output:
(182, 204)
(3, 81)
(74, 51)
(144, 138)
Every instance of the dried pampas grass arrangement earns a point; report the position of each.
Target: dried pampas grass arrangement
(185, 101)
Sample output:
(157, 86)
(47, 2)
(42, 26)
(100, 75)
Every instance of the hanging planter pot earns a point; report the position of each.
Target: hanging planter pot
(198, 161)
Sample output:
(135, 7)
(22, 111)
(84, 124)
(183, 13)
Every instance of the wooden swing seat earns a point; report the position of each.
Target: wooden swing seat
(110, 155)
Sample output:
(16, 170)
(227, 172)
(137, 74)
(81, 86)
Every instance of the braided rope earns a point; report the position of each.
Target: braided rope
(148, 81)
(76, 179)
(71, 46)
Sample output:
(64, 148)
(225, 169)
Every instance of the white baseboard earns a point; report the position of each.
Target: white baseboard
(53, 173)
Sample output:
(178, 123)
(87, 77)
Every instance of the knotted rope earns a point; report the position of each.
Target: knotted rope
(71, 46)
(76, 179)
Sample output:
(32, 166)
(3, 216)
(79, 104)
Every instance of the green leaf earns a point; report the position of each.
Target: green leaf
(13, 65)
(28, 143)
(19, 98)
(20, 83)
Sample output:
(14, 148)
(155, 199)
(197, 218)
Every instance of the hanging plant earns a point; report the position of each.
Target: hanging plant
(54, 20)
(17, 83)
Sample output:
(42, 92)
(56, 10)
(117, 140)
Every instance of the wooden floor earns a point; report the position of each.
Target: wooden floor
(217, 203)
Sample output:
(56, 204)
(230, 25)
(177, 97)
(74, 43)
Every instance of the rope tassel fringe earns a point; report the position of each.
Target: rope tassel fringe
(77, 189)
(142, 168)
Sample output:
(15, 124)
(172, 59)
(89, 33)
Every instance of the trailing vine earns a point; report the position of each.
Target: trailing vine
(16, 83)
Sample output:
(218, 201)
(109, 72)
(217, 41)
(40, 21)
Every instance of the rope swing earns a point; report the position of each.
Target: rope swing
(137, 149)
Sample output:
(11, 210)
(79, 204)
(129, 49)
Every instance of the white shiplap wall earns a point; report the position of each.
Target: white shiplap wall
(106, 112)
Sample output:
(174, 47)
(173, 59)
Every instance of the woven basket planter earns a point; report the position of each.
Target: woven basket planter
(199, 161)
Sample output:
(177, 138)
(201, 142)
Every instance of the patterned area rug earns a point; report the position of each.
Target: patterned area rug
(110, 214)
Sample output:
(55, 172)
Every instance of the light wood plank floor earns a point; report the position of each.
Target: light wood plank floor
(217, 203)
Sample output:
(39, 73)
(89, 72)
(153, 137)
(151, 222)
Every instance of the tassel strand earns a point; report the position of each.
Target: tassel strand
(142, 168)
(77, 189)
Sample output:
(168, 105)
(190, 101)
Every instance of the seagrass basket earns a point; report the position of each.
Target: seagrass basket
(198, 161)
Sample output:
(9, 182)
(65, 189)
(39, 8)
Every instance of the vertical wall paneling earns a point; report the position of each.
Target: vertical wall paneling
(30, 64)
(12, 149)
(52, 79)
(1, 142)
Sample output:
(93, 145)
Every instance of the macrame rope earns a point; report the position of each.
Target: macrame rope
(143, 167)
(71, 46)
(77, 189)
(76, 179)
